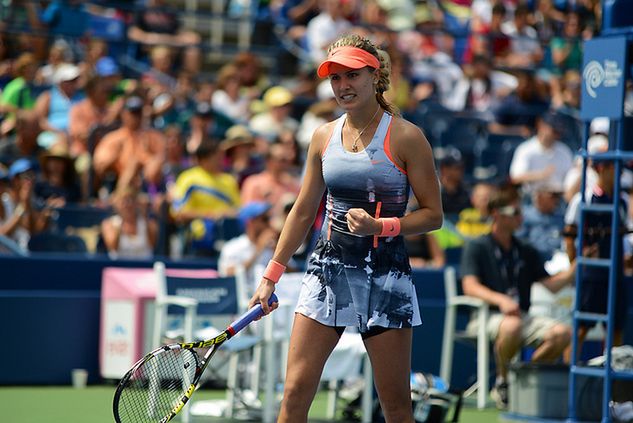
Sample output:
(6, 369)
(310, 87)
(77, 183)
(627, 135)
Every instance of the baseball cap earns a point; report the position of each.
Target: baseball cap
(277, 96)
(66, 72)
(448, 156)
(106, 66)
(134, 104)
(599, 125)
(350, 57)
(553, 120)
(252, 210)
(20, 166)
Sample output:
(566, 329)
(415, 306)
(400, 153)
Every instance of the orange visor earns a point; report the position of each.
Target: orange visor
(348, 56)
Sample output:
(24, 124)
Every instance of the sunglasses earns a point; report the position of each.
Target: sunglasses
(510, 211)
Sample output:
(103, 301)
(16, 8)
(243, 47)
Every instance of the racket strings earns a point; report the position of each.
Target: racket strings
(157, 386)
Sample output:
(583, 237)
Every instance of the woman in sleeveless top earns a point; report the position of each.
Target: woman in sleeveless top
(359, 274)
(130, 233)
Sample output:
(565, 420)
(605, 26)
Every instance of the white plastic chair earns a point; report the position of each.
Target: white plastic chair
(453, 301)
(199, 308)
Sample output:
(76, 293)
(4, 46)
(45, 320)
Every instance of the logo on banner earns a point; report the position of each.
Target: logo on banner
(596, 75)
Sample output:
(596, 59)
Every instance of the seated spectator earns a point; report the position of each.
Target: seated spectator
(517, 113)
(204, 194)
(500, 269)
(130, 232)
(23, 143)
(277, 118)
(159, 24)
(229, 98)
(131, 143)
(273, 183)
(59, 55)
(94, 110)
(597, 234)
(455, 193)
(203, 126)
(543, 220)
(21, 216)
(542, 158)
(567, 48)
(175, 106)
(475, 221)
(18, 94)
(53, 106)
(254, 247)
(159, 78)
(424, 251)
(59, 184)
(240, 159)
(324, 28)
(525, 47)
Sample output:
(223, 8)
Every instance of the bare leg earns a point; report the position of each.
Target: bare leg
(310, 345)
(555, 342)
(390, 355)
(508, 343)
(582, 334)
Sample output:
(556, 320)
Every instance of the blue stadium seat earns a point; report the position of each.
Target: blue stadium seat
(57, 242)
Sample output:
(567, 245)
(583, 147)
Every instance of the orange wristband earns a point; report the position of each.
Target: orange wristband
(390, 226)
(274, 270)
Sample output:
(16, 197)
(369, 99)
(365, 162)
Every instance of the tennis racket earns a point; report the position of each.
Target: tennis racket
(157, 387)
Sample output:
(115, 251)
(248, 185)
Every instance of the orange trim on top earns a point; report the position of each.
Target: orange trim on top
(378, 207)
(329, 138)
(387, 147)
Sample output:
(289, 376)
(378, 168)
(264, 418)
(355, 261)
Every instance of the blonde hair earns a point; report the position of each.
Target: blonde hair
(384, 72)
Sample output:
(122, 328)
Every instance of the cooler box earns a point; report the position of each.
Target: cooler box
(541, 391)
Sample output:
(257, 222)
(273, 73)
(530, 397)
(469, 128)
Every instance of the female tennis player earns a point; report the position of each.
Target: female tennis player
(359, 274)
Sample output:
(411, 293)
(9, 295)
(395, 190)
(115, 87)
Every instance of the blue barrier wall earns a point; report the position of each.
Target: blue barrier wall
(53, 303)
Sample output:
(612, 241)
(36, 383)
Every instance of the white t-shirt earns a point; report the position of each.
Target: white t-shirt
(237, 251)
(532, 156)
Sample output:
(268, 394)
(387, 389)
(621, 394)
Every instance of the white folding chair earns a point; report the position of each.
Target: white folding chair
(202, 294)
(453, 302)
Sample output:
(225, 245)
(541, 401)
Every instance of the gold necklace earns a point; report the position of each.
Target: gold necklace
(360, 134)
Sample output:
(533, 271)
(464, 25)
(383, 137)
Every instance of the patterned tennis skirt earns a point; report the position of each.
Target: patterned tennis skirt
(348, 282)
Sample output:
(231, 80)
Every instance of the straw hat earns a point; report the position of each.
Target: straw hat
(56, 151)
(237, 135)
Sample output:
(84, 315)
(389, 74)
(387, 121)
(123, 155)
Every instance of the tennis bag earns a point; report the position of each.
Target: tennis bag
(431, 399)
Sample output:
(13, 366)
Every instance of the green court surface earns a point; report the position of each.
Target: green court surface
(62, 404)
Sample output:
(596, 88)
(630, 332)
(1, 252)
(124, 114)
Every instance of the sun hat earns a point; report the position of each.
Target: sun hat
(235, 136)
(277, 96)
(348, 56)
(66, 72)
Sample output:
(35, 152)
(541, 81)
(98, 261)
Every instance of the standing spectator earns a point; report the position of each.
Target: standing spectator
(53, 106)
(500, 269)
(543, 220)
(131, 143)
(130, 233)
(277, 118)
(273, 183)
(597, 242)
(542, 158)
(455, 193)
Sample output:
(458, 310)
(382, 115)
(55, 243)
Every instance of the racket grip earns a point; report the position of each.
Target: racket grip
(252, 314)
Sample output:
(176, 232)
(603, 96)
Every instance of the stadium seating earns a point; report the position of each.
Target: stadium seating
(57, 242)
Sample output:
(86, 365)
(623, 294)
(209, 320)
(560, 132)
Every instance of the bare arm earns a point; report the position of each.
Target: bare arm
(301, 216)
(473, 287)
(561, 279)
(106, 154)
